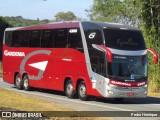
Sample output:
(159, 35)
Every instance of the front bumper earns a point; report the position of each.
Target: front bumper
(125, 92)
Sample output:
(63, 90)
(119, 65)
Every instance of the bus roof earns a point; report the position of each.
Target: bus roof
(108, 25)
(73, 24)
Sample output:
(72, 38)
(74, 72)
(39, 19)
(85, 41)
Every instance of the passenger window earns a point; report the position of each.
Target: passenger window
(47, 38)
(15, 39)
(34, 40)
(24, 38)
(97, 60)
(74, 39)
(8, 38)
(60, 38)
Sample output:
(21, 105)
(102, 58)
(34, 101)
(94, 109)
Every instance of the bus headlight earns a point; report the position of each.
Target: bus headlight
(145, 92)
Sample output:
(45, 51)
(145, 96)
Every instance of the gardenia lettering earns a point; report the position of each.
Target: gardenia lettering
(11, 53)
(120, 83)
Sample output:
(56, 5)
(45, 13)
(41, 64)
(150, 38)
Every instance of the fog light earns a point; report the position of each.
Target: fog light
(145, 92)
(110, 92)
(146, 86)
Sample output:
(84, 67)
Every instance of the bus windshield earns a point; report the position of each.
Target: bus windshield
(124, 39)
(129, 68)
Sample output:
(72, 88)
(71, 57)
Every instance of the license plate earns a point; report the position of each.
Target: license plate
(130, 94)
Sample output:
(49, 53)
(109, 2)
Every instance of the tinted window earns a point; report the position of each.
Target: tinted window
(60, 38)
(74, 39)
(93, 37)
(124, 39)
(47, 38)
(128, 67)
(15, 39)
(24, 38)
(97, 59)
(34, 40)
(8, 38)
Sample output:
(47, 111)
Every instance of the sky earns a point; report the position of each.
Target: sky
(43, 9)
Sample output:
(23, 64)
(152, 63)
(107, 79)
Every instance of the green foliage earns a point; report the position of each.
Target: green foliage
(3, 26)
(105, 10)
(65, 16)
(150, 14)
(115, 11)
(19, 21)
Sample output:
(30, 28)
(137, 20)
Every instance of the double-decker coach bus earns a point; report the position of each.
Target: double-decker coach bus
(84, 58)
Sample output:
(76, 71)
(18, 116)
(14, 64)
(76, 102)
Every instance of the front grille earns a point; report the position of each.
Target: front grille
(128, 88)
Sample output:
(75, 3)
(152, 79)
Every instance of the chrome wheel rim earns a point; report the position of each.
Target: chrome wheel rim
(18, 81)
(69, 89)
(82, 91)
(25, 83)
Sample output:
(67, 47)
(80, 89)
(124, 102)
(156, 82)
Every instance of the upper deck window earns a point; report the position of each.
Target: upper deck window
(124, 39)
(8, 38)
(60, 38)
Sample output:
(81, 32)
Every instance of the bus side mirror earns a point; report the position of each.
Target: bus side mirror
(154, 54)
(105, 49)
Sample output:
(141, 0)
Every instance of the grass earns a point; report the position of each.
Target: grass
(11, 101)
(153, 94)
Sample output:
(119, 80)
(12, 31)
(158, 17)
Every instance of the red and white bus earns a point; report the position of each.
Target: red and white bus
(84, 58)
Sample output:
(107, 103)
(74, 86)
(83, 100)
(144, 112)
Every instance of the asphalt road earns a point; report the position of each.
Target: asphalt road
(130, 104)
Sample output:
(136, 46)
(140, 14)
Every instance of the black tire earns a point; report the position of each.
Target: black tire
(26, 85)
(18, 82)
(70, 93)
(82, 91)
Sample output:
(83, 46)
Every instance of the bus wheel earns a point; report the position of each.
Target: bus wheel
(69, 89)
(26, 85)
(82, 91)
(18, 82)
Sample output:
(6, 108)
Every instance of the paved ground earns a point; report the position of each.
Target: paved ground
(138, 104)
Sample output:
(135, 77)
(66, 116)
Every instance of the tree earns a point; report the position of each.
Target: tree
(19, 21)
(150, 14)
(3, 26)
(151, 18)
(115, 11)
(65, 16)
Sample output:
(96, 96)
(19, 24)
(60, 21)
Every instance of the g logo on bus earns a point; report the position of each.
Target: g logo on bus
(41, 71)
